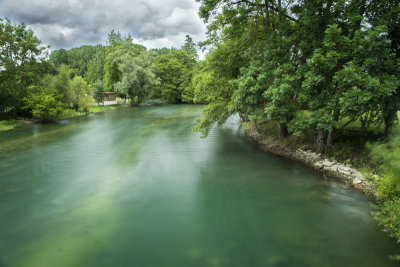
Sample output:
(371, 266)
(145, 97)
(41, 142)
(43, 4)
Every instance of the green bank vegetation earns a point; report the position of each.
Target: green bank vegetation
(9, 124)
(318, 74)
(68, 83)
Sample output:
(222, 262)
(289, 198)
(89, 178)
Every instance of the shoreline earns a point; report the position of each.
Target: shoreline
(28, 121)
(343, 173)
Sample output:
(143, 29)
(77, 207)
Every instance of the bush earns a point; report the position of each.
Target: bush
(44, 106)
(386, 157)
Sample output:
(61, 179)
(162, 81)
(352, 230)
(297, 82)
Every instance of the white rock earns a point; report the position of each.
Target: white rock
(332, 168)
(344, 168)
(357, 181)
(327, 163)
(358, 175)
(345, 173)
(319, 164)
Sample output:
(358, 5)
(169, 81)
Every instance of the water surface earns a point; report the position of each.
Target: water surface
(136, 187)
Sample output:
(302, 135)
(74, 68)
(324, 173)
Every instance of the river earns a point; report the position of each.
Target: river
(136, 187)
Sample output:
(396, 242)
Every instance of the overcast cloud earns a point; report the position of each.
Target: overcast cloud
(72, 23)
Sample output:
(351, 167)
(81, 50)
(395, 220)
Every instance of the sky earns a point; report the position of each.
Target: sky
(72, 23)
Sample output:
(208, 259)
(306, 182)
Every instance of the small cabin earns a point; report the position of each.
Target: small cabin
(109, 96)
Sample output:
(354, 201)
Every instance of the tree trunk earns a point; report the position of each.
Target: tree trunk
(389, 112)
(329, 140)
(331, 134)
(256, 125)
(389, 121)
(282, 131)
(243, 117)
(321, 140)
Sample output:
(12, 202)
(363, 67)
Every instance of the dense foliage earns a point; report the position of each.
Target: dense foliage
(77, 78)
(22, 64)
(334, 59)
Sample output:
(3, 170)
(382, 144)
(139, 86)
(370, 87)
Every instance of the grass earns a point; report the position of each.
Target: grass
(70, 113)
(6, 125)
(96, 109)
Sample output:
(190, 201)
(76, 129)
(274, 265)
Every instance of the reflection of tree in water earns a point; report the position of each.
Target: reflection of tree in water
(136, 128)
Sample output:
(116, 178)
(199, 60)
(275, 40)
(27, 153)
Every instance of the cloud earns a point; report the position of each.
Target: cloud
(71, 23)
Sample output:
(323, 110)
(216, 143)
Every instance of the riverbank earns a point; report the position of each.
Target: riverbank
(6, 125)
(345, 173)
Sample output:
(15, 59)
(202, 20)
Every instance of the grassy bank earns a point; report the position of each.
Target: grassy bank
(6, 125)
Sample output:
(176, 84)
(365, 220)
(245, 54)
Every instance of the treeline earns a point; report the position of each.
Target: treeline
(132, 71)
(48, 87)
(309, 67)
(303, 64)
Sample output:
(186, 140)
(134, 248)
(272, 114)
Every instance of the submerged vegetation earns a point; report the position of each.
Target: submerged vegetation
(319, 74)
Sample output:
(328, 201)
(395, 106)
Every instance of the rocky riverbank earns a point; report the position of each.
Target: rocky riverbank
(340, 171)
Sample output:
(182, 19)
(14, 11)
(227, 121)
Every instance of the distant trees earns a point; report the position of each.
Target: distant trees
(96, 67)
(72, 77)
(78, 58)
(175, 69)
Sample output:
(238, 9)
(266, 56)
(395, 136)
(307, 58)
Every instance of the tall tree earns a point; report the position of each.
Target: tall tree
(117, 46)
(174, 70)
(21, 63)
(190, 48)
(137, 77)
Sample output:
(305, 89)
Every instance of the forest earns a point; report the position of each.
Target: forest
(323, 74)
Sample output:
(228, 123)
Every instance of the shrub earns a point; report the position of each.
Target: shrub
(44, 106)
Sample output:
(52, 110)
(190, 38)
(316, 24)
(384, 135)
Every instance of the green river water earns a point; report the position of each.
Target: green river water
(136, 187)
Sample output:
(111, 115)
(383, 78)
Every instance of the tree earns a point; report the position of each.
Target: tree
(308, 55)
(347, 77)
(173, 69)
(21, 63)
(137, 74)
(197, 84)
(387, 13)
(61, 84)
(223, 67)
(114, 38)
(81, 94)
(98, 88)
(190, 48)
(113, 52)
(44, 105)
